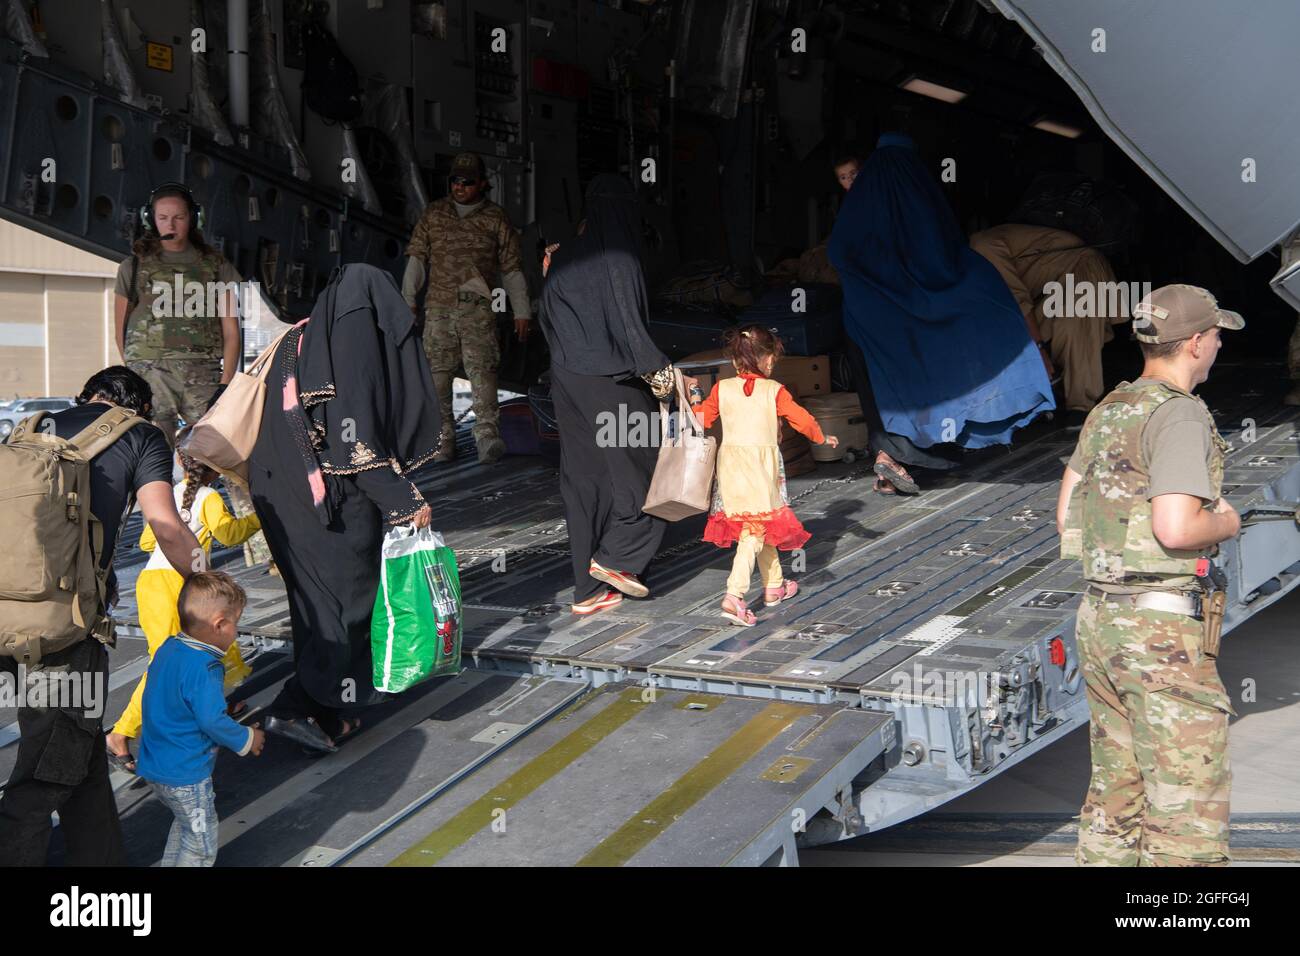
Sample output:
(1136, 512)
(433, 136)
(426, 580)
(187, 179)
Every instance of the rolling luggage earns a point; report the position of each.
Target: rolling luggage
(838, 414)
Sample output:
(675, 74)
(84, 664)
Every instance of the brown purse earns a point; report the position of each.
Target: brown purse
(683, 478)
(224, 438)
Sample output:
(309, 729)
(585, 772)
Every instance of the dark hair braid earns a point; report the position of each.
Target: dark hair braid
(197, 475)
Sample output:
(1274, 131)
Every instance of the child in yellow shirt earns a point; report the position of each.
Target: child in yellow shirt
(159, 586)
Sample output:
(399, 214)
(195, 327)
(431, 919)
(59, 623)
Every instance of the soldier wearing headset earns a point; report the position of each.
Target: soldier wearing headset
(184, 345)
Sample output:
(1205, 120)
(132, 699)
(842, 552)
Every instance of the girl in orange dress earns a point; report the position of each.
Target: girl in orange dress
(750, 508)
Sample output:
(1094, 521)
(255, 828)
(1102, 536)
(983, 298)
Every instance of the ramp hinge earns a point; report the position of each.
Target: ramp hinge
(848, 816)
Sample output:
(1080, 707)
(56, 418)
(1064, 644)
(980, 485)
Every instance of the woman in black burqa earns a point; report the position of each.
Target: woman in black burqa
(594, 312)
(350, 412)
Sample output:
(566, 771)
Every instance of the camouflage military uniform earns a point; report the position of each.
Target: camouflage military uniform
(463, 257)
(465, 333)
(256, 550)
(178, 355)
(1159, 731)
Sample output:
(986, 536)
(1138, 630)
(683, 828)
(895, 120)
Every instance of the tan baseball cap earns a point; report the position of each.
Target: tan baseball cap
(468, 164)
(1176, 312)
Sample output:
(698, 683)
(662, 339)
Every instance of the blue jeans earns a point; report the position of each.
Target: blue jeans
(193, 837)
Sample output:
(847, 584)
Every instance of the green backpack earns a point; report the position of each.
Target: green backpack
(52, 590)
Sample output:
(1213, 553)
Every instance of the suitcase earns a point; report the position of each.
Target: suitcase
(815, 331)
(680, 332)
(838, 414)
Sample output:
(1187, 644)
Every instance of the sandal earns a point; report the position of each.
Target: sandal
(600, 602)
(882, 487)
(123, 762)
(786, 591)
(740, 613)
(896, 476)
(629, 584)
(346, 728)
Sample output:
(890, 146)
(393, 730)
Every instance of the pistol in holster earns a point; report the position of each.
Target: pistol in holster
(1213, 602)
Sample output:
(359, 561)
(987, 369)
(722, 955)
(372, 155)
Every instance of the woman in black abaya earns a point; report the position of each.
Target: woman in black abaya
(350, 411)
(594, 313)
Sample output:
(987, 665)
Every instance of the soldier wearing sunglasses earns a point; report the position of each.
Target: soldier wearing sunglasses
(461, 244)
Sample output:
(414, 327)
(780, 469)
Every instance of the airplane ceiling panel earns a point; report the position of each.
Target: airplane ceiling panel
(1200, 93)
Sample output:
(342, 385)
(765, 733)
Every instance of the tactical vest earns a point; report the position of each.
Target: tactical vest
(173, 334)
(1108, 519)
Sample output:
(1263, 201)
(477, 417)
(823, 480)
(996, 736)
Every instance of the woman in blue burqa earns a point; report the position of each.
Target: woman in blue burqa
(949, 361)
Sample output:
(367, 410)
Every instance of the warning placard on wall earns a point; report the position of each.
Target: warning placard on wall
(158, 56)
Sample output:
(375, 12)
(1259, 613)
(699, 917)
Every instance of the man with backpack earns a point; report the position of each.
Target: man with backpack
(80, 472)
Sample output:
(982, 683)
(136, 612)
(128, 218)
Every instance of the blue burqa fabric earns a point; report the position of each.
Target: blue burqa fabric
(945, 342)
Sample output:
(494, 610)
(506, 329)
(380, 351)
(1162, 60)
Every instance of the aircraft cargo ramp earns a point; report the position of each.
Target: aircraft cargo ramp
(920, 659)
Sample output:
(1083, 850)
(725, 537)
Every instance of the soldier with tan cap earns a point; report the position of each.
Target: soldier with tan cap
(461, 243)
(1140, 506)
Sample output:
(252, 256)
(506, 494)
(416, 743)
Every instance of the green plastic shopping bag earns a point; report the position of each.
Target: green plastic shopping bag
(415, 627)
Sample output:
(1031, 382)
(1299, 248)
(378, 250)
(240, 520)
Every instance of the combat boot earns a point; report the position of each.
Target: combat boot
(446, 446)
(490, 449)
(487, 416)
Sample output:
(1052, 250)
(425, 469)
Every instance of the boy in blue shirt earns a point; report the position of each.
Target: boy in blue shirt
(185, 718)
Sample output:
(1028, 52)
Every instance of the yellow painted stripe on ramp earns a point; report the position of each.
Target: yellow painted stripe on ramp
(661, 812)
(522, 782)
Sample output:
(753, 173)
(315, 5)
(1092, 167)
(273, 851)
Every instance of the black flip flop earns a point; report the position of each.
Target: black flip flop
(882, 487)
(123, 762)
(896, 477)
(342, 735)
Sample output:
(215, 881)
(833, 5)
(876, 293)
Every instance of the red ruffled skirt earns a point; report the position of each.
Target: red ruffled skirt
(779, 528)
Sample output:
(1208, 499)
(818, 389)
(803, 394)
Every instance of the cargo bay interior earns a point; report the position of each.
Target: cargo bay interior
(742, 130)
(994, 107)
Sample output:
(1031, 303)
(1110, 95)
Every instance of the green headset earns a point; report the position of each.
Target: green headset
(196, 209)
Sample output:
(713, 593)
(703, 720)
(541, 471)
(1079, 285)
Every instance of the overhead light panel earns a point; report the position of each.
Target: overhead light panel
(936, 91)
(1060, 129)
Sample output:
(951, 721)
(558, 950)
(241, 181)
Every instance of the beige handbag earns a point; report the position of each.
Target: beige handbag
(683, 478)
(224, 438)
